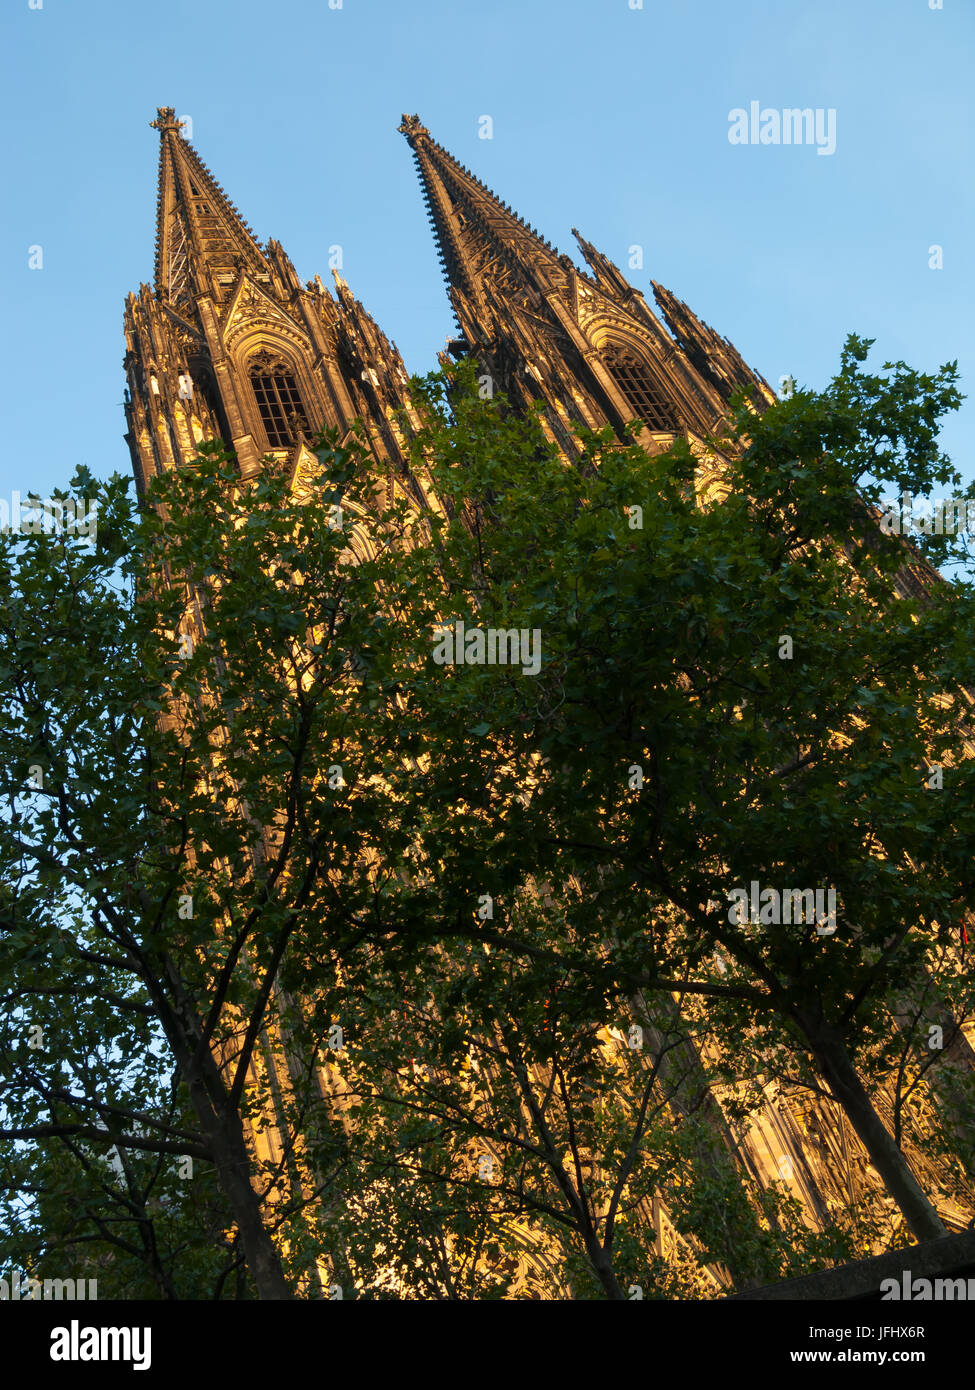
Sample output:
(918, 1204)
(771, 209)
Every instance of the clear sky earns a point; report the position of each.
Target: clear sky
(606, 117)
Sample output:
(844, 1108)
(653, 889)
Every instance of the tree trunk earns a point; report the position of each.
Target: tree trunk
(225, 1139)
(223, 1134)
(838, 1070)
(603, 1267)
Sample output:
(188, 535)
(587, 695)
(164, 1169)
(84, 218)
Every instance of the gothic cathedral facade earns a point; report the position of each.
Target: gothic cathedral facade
(229, 343)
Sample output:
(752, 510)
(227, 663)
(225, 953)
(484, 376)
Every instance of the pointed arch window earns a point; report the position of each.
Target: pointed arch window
(642, 394)
(278, 400)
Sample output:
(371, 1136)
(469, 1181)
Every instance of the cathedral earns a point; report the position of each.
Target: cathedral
(229, 343)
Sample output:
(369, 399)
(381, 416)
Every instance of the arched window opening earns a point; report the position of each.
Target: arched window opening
(633, 377)
(278, 400)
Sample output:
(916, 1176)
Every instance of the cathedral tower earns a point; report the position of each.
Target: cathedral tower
(229, 344)
(587, 345)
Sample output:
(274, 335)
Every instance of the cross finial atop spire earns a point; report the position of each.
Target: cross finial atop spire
(166, 120)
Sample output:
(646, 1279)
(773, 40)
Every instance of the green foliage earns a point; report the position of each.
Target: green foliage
(267, 810)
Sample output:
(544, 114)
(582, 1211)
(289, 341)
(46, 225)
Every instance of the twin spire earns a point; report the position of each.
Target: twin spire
(200, 234)
(523, 310)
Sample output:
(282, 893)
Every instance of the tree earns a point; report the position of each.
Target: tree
(237, 757)
(733, 691)
(165, 834)
(545, 1123)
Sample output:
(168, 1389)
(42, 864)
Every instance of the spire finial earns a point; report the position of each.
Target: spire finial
(166, 120)
(411, 125)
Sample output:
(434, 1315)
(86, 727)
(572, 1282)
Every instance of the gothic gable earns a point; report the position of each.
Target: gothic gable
(252, 308)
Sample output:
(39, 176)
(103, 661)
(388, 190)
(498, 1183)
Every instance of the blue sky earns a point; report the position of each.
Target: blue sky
(608, 118)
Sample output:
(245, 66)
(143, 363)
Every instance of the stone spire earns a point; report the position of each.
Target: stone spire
(202, 242)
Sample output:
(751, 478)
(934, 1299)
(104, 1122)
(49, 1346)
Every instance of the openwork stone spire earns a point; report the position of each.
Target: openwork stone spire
(202, 242)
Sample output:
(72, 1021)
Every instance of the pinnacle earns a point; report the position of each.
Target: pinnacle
(166, 120)
(411, 125)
